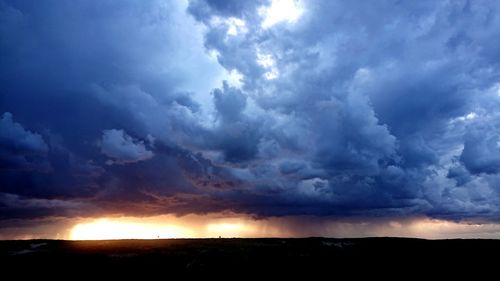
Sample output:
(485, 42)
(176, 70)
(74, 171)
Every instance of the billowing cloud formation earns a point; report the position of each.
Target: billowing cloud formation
(339, 109)
(20, 148)
(123, 148)
(481, 152)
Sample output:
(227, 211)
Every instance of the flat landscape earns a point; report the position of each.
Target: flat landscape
(375, 122)
(251, 256)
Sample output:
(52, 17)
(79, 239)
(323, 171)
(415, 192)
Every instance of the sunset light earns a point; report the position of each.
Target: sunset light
(219, 135)
(115, 229)
(168, 226)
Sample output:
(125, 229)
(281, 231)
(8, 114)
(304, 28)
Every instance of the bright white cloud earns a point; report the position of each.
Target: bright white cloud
(267, 62)
(235, 78)
(468, 117)
(281, 11)
(270, 75)
(236, 26)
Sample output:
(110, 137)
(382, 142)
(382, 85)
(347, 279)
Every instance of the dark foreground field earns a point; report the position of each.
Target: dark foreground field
(247, 257)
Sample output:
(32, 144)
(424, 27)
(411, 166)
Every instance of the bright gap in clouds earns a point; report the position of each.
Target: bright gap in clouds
(234, 78)
(236, 26)
(198, 226)
(267, 62)
(102, 229)
(280, 11)
(164, 227)
(234, 225)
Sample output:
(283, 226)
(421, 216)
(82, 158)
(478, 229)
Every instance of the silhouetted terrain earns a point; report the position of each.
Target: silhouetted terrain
(245, 257)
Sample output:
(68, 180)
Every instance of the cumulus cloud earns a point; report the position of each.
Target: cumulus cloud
(122, 148)
(20, 148)
(481, 153)
(345, 109)
(365, 102)
(229, 102)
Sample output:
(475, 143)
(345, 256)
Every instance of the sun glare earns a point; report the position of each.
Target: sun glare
(163, 227)
(102, 229)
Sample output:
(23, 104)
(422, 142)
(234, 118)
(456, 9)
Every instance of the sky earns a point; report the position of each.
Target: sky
(291, 118)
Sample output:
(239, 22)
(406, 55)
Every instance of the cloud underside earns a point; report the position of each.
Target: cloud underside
(345, 109)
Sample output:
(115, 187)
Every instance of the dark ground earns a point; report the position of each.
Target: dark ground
(375, 257)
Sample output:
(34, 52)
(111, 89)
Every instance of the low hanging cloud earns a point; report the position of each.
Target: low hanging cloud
(122, 148)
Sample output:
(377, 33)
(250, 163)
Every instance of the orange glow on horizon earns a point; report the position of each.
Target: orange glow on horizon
(234, 225)
(102, 229)
(164, 227)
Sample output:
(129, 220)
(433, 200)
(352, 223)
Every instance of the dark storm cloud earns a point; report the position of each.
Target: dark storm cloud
(237, 135)
(121, 147)
(71, 72)
(371, 105)
(350, 109)
(20, 148)
(481, 152)
(229, 102)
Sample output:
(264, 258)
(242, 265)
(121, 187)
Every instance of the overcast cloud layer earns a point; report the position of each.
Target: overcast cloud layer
(340, 108)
